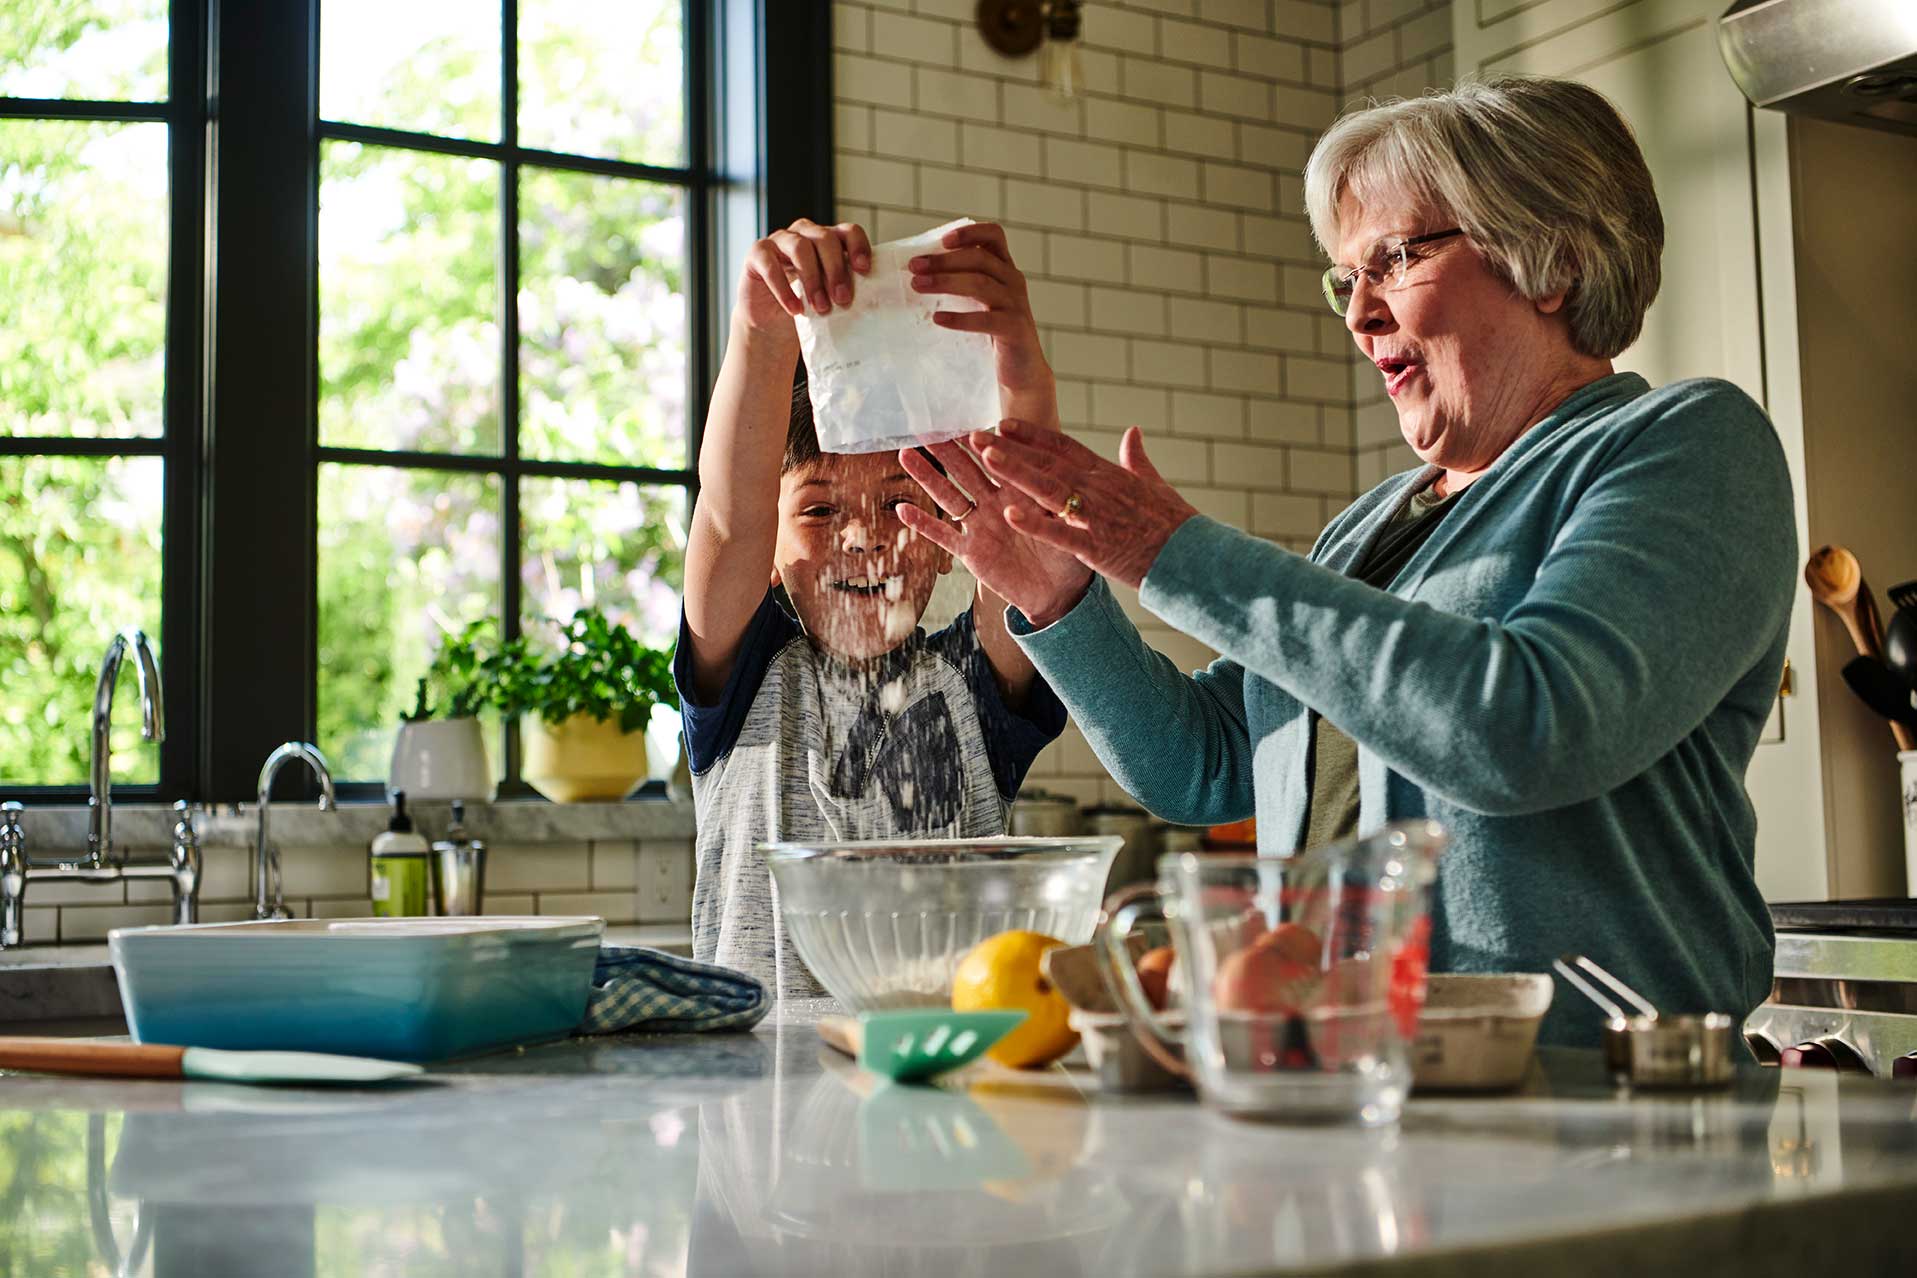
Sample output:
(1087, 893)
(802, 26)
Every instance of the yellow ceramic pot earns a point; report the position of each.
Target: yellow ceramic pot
(581, 759)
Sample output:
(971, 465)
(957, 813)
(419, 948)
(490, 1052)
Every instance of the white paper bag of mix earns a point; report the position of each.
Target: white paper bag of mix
(882, 375)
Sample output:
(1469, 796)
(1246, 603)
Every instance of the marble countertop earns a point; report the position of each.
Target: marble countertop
(767, 1153)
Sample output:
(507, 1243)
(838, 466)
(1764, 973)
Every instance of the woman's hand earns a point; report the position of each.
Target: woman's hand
(823, 259)
(977, 263)
(1112, 519)
(1039, 581)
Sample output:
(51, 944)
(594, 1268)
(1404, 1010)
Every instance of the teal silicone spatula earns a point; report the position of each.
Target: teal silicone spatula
(918, 1043)
(151, 1060)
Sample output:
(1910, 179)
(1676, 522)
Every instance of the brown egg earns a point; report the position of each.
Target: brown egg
(1294, 941)
(1264, 979)
(1154, 973)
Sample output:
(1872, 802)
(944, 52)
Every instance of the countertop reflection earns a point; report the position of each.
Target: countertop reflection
(767, 1153)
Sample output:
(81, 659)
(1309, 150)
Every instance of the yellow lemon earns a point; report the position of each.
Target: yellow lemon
(1002, 972)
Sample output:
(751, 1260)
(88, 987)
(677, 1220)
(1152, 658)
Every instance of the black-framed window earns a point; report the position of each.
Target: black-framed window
(461, 311)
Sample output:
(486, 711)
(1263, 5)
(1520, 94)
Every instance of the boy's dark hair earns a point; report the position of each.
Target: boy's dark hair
(801, 438)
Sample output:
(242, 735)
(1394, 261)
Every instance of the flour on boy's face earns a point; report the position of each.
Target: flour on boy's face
(858, 577)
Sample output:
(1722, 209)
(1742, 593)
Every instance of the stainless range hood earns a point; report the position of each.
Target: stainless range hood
(1854, 61)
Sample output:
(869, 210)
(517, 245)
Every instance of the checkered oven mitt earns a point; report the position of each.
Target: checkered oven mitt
(634, 988)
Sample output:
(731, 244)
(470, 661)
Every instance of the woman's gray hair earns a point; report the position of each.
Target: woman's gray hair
(1543, 175)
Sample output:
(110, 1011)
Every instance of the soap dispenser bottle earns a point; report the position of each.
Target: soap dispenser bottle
(399, 869)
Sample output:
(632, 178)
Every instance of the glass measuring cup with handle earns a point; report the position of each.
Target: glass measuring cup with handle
(1302, 976)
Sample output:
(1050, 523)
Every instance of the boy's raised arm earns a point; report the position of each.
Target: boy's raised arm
(977, 263)
(735, 525)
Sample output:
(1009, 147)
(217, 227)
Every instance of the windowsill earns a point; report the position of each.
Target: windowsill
(145, 829)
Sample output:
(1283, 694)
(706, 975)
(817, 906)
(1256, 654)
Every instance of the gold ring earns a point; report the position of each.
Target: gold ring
(1072, 505)
(960, 517)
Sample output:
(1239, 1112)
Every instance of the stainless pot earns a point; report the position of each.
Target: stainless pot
(1038, 814)
(1136, 861)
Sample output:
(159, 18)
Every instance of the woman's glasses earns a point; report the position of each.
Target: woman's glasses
(1385, 268)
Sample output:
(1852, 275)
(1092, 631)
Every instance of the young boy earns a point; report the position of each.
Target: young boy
(815, 708)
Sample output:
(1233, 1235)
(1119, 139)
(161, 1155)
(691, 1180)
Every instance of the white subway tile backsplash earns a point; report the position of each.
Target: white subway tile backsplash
(1130, 216)
(907, 135)
(1127, 311)
(1209, 415)
(1368, 59)
(957, 192)
(914, 39)
(1148, 80)
(1025, 107)
(1307, 377)
(1252, 372)
(1198, 226)
(1252, 279)
(1102, 71)
(615, 864)
(1252, 14)
(1263, 56)
(1304, 19)
(877, 181)
(1168, 363)
(323, 871)
(1277, 421)
(531, 867)
(1085, 163)
(93, 922)
(1117, 406)
(1253, 466)
(1202, 320)
(968, 97)
(1108, 27)
(665, 882)
(613, 907)
(1321, 471)
(1088, 355)
(851, 28)
(1170, 269)
(1223, 93)
(1239, 187)
(1159, 174)
(1042, 204)
(1080, 257)
(1062, 304)
(1285, 515)
(856, 78)
(985, 148)
(1132, 123)
(1275, 328)
(1207, 46)
(1190, 133)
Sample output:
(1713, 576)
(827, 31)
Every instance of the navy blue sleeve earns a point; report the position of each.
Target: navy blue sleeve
(712, 730)
(1013, 738)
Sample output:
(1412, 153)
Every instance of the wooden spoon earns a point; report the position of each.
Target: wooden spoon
(1836, 580)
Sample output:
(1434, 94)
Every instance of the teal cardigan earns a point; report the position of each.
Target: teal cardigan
(1571, 675)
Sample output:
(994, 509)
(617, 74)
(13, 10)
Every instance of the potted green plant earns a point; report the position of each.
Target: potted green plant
(582, 706)
(440, 752)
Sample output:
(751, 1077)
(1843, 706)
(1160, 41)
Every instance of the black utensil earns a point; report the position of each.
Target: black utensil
(1881, 690)
(1904, 596)
(1900, 644)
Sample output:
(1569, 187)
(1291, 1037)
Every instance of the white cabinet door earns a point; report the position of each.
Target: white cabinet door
(1718, 314)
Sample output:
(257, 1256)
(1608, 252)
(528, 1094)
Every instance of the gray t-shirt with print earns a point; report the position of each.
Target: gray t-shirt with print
(800, 746)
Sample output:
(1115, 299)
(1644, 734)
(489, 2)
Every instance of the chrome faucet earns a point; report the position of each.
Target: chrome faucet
(152, 726)
(267, 900)
(102, 862)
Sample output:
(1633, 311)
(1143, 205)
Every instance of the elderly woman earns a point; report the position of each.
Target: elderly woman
(1560, 636)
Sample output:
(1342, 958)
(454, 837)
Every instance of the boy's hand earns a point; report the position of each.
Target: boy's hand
(823, 259)
(977, 263)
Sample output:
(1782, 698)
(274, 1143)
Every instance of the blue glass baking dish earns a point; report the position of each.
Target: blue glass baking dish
(400, 989)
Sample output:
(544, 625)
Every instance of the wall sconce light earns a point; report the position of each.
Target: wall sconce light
(1015, 28)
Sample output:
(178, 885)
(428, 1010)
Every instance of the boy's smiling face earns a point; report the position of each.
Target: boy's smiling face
(858, 577)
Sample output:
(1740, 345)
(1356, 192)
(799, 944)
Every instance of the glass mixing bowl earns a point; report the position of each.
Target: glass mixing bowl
(882, 924)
